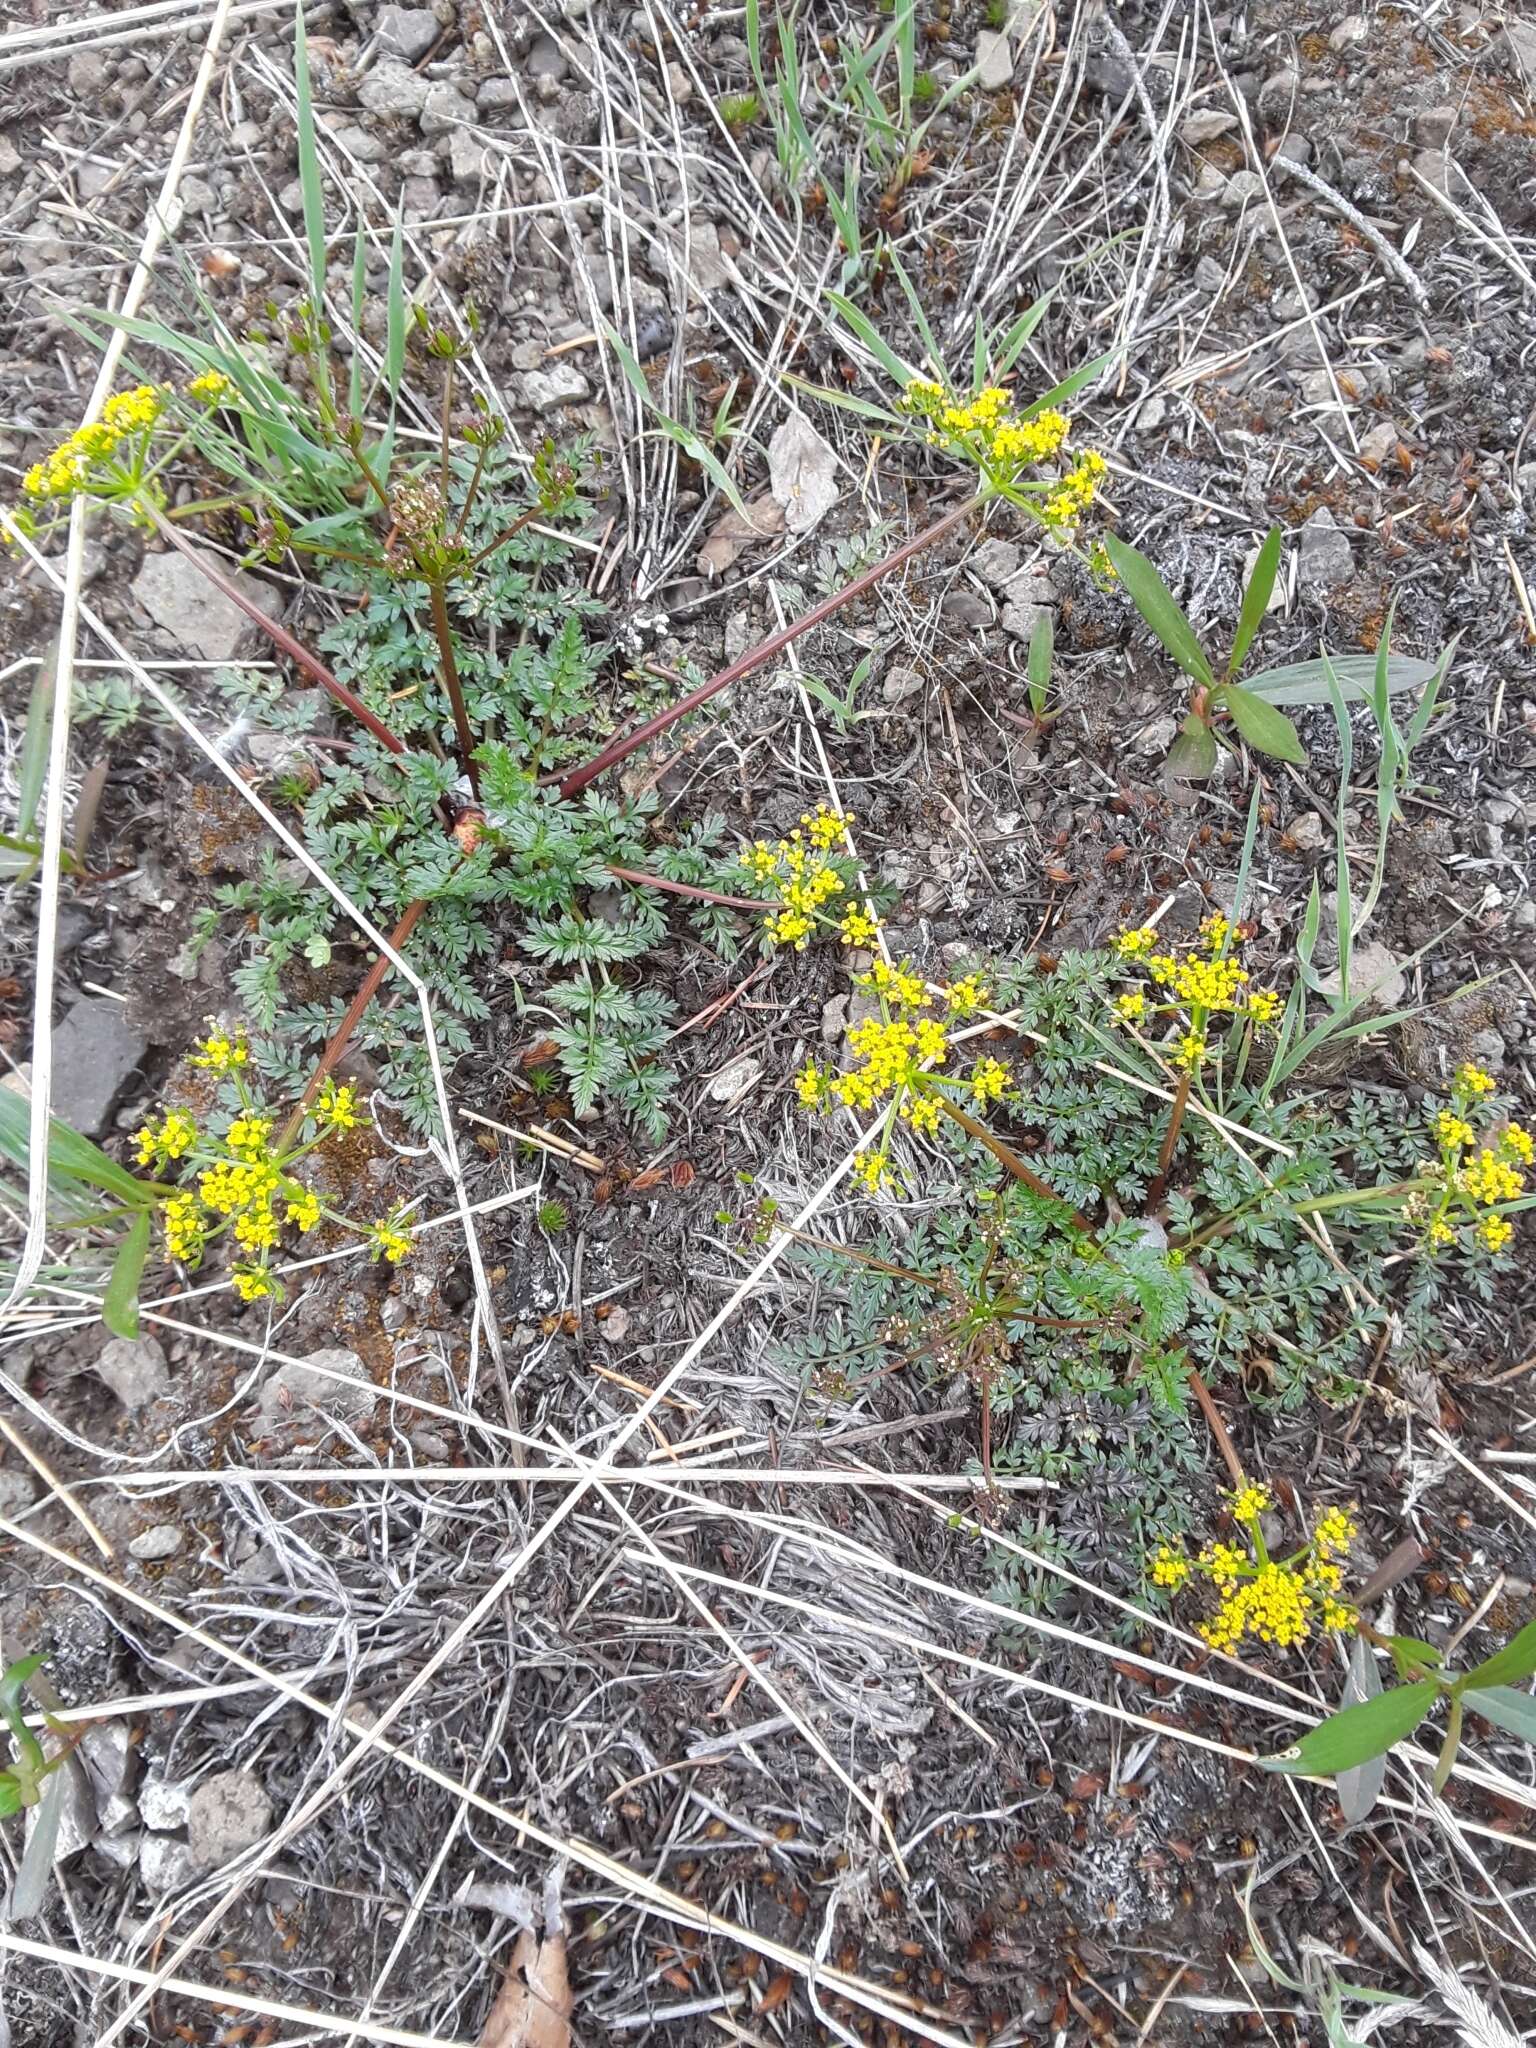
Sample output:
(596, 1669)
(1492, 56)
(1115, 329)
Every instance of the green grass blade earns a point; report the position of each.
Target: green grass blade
(920, 318)
(1354, 675)
(359, 295)
(309, 165)
(1011, 346)
(1256, 598)
(1159, 608)
(1064, 392)
(1344, 905)
(120, 1303)
(864, 330)
(32, 767)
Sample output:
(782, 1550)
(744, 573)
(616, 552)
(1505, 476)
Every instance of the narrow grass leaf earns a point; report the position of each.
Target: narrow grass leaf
(120, 1302)
(32, 766)
(1359, 1787)
(1508, 1666)
(1160, 610)
(1256, 598)
(30, 1891)
(1506, 1706)
(309, 165)
(919, 317)
(1306, 682)
(1064, 392)
(865, 331)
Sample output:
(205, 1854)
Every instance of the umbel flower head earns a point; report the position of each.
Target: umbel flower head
(99, 456)
(231, 1178)
(1003, 443)
(1479, 1170)
(1280, 1601)
(1186, 992)
(900, 1055)
(812, 886)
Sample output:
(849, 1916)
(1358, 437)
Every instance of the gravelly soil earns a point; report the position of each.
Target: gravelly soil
(1209, 199)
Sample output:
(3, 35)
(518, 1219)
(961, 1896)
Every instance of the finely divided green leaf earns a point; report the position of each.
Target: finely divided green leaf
(1358, 1733)
(1159, 608)
(1261, 725)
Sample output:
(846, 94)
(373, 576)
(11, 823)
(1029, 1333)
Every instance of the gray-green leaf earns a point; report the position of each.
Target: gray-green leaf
(1507, 1707)
(1515, 1661)
(1193, 754)
(1306, 682)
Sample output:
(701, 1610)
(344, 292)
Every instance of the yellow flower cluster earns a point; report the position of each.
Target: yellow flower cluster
(1190, 988)
(806, 882)
(1473, 1175)
(898, 1055)
(1270, 1600)
(77, 464)
(211, 388)
(1002, 443)
(235, 1181)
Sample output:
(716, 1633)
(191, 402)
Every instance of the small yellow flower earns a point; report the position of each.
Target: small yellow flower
(303, 1210)
(1336, 1529)
(989, 1077)
(966, 996)
(183, 1229)
(252, 1283)
(1473, 1080)
(811, 1085)
(1518, 1143)
(1136, 943)
(220, 1053)
(1249, 1502)
(388, 1242)
(857, 927)
(338, 1106)
(1131, 1007)
(1190, 1050)
(872, 1170)
(1439, 1233)
(1215, 930)
(922, 1112)
(1451, 1130)
(1263, 1005)
(1495, 1232)
(1170, 1568)
(211, 388)
(247, 1137)
(1337, 1615)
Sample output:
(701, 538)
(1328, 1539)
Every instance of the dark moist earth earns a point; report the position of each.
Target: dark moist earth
(1063, 1876)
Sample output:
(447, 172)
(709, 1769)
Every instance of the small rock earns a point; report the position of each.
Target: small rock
(1503, 810)
(163, 1803)
(1308, 833)
(165, 1863)
(182, 602)
(135, 1370)
(306, 1384)
(1380, 444)
(1210, 183)
(1374, 972)
(407, 32)
(1434, 127)
(497, 96)
(964, 608)
(1354, 28)
(802, 473)
(900, 683)
(77, 1817)
(732, 1082)
(1487, 1049)
(1323, 559)
(738, 635)
(419, 198)
(1210, 276)
(1438, 168)
(1204, 125)
(708, 263)
(1515, 50)
(228, 1813)
(466, 157)
(121, 1847)
(545, 59)
(163, 1540)
(443, 110)
(1156, 737)
(994, 60)
(1243, 188)
(996, 562)
(614, 1327)
(95, 1051)
(834, 1018)
(1151, 413)
(18, 1490)
(545, 391)
(87, 75)
(393, 91)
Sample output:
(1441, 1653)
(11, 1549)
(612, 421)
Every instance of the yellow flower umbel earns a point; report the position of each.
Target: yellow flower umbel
(239, 1182)
(211, 388)
(1003, 443)
(899, 1059)
(809, 885)
(1267, 1600)
(1190, 991)
(106, 459)
(1461, 1195)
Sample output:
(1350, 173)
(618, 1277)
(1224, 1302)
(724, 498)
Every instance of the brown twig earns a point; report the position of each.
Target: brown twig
(342, 1035)
(620, 749)
(645, 881)
(280, 637)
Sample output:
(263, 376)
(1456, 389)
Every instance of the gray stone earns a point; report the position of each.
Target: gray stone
(996, 562)
(1307, 833)
(1434, 127)
(96, 1050)
(393, 90)
(964, 608)
(1323, 559)
(163, 1803)
(1209, 275)
(163, 1540)
(419, 198)
(497, 96)
(77, 1817)
(1205, 125)
(135, 1370)
(1380, 444)
(182, 602)
(545, 59)
(407, 32)
(87, 74)
(466, 157)
(361, 143)
(900, 683)
(1243, 188)
(1156, 737)
(18, 1490)
(733, 1081)
(1437, 167)
(1210, 182)
(1515, 50)
(305, 1384)
(1374, 972)
(1487, 1049)
(166, 1863)
(228, 1813)
(545, 391)
(443, 110)
(1151, 413)
(994, 60)
(1354, 28)
(614, 1327)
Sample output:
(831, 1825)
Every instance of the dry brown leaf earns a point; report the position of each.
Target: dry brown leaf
(533, 2008)
(732, 535)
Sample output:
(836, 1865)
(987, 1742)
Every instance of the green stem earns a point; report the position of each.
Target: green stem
(465, 738)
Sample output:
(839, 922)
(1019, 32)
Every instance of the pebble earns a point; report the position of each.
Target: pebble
(393, 90)
(1323, 558)
(165, 1863)
(182, 602)
(545, 59)
(1156, 737)
(407, 32)
(900, 683)
(135, 1370)
(18, 1490)
(1205, 125)
(1151, 413)
(994, 60)
(996, 562)
(228, 1813)
(497, 96)
(732, 1082)
(1243, 188)
(305, 1384)
(443, 110)
(1487, 1049)
(545, 391)
(1375, 972)
(163, 1803)
(1354, 28)
(1308, 833)
(614, 1327)
(96, 1051)
(163, 1540)
(1434, 127)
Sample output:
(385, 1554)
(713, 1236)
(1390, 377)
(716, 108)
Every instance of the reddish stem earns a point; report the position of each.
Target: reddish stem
(1159, 1186)
(341, 1037)
(296, 651)
(754, 658)
(1007, 1157)
(689, 889)
(1212, 1414)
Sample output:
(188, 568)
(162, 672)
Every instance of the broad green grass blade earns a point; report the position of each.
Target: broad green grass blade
(1159, 608)
(1011, 345)
(848, 402)
(120, 1303)
(906, 57)
(1306, 682)
(1255, 599)
(1064, 392)
(70, 1157)
(309, 166)
(865, 331)
(30, 1891)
